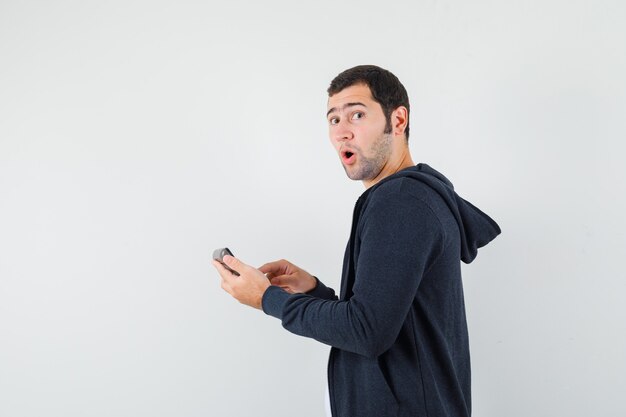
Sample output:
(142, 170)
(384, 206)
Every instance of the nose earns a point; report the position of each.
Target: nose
(341, 132)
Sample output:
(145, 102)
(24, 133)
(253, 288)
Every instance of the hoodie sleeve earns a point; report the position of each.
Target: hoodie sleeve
(400, 238)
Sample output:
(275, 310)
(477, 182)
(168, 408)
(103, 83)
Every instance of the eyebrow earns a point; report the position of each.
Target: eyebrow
(345, 106)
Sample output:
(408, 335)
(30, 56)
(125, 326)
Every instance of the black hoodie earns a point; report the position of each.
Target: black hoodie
(398, 330)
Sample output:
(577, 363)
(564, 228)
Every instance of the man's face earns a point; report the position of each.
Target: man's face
(356, 125)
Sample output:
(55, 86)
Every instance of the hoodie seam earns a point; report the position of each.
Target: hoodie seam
(443, 234)
(419, 362)
(442, 230)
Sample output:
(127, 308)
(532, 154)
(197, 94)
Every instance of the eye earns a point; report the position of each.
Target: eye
(357, 115)
(333, 120)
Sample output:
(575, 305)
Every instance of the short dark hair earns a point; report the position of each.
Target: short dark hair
(386, 88)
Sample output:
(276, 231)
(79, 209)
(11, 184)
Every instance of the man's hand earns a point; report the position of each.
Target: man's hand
(248, 287)
(288, 276)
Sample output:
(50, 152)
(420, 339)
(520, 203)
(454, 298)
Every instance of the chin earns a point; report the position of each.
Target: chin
(353, 174)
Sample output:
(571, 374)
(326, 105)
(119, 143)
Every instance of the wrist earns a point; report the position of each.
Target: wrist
(313, 284)
(259, 304)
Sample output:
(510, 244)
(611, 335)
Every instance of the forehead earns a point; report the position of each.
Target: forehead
(354, 93)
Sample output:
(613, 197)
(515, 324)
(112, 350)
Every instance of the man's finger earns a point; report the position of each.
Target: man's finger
(224, 273)
(226, 287)
(272, 267)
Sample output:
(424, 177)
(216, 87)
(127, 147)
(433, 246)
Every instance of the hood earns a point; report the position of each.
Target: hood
(477, 229)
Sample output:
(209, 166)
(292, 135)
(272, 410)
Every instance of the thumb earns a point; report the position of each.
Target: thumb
(233, 263)
(279, 280)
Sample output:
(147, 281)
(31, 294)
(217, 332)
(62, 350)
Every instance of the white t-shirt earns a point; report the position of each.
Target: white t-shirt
(327, 403)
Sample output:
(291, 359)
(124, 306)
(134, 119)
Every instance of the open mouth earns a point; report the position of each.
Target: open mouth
(348, 157)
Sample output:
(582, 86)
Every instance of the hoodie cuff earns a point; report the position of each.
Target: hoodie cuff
(321, 290)
(273, 301)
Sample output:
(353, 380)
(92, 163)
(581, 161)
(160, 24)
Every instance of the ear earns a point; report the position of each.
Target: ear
(399, 120)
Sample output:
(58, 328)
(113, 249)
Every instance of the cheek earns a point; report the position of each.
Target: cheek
(364, 137)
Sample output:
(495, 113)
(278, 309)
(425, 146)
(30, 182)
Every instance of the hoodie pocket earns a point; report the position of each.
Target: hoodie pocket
(379, 400)
(386, 379)
(358, 387)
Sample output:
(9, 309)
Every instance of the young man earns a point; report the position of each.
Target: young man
(398, 330)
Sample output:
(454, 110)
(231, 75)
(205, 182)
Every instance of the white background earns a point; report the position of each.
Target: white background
(138, 136)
